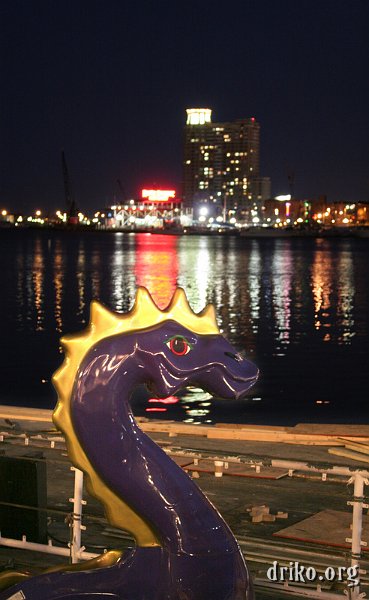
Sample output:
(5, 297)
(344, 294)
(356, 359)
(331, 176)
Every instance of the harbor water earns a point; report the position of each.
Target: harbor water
(297, 307)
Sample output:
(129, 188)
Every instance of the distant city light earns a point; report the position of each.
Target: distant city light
(204, 211)
(4, 213)
(283, 197)
(158, 195)
(198, 116)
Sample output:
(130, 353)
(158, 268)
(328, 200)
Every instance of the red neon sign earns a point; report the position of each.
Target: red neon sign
(158, 195)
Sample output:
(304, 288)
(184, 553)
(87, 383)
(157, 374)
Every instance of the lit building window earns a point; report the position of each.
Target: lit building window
(198, 116)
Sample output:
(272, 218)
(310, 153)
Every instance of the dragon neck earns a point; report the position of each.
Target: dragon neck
(132, 466)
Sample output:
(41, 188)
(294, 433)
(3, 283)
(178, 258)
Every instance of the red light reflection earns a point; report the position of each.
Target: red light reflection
(169, 400)
(156, 266)
(156, 409)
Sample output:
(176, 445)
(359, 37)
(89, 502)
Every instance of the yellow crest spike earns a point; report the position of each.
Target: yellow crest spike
(144, 308)
(101, 317)
(210, 314)
(68, 341)
(143, 296)
(179, 301)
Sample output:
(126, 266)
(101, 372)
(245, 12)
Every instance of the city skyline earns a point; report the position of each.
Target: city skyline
(110, 86)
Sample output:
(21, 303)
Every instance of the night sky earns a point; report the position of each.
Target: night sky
(108, 81)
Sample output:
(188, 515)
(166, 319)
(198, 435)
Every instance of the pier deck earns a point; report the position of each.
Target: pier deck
(291, 476)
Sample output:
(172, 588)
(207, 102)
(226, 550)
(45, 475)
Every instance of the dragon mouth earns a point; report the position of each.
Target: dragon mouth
(226, 384)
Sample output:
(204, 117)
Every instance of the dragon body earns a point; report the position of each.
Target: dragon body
(184, 549)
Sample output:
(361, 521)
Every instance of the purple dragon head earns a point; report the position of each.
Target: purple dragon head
(174, 357)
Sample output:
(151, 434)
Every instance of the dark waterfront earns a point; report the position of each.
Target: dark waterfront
(298, 307)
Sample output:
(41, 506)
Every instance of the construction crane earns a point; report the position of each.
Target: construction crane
(122, 191)
(71, 207)
(291, 183)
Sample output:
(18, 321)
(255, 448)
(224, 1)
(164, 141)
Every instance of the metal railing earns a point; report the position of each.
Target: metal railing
(256, 550)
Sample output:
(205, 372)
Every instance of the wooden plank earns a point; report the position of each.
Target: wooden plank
(21, 413)
(349, 454)
(357, 448)
(240, 434)
(177, 427)
(357, 439)
(253, 427)
(336, 429)
(315, 442)
(327, 527)
(301, 434)
(356, 445)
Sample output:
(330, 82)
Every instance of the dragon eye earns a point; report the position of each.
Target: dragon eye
(179, 345)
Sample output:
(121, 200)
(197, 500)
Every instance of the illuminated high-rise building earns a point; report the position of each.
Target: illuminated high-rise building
(221, 161)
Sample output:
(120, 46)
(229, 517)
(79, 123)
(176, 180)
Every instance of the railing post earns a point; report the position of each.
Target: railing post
(75, 545)
(357, 504)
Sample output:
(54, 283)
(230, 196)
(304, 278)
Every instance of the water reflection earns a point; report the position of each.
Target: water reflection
(333, 287)
(346, 291)
(20, 301)
(194, 270)
(322, 276)
(117, 273)
(276, 299)
(197, 404)
(95, 274)
(249, 286)
(282, 279)
(58, 284)
(156, 266)
(38, 284)
(254, 285)
(81, 279)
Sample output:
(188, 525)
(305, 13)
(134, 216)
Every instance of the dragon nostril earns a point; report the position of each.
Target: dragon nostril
(232, 355)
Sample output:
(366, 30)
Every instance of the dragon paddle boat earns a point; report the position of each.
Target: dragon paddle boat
(184, 550)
